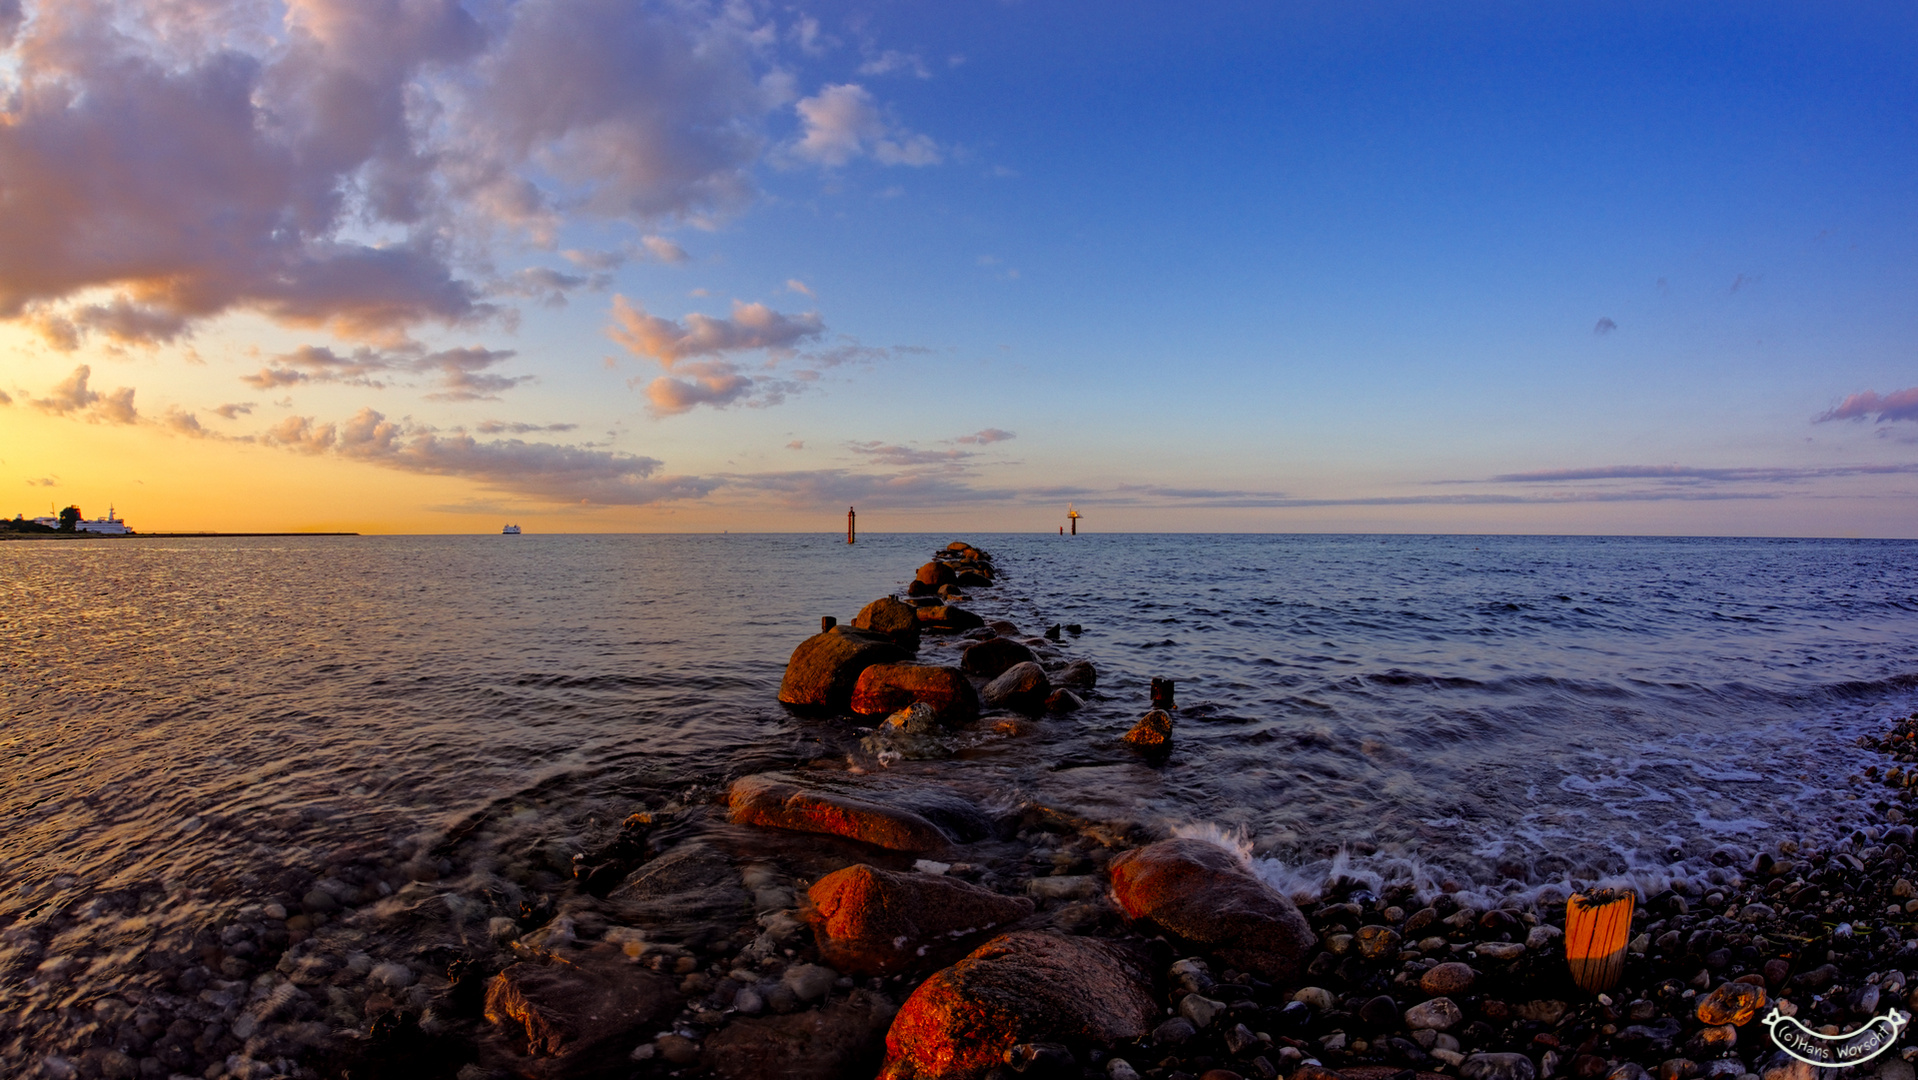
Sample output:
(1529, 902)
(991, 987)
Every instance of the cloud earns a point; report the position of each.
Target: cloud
(1897, 405)
(892, 60)
(1692, 474)
(5, 398)
(497, 427)
(752, 326)
(547, 472)
(462, 371)
(843, 122)
(72, 395)
(45, 481)
(798, 286)
(796, 444)
(1742, 280)
(341, 164)
(664, 250)
(1605, 326)
(185, 423)
(121, 321)
(545, 285)
(906, 455)
(989, 435)
(233, 409)
(823, 488)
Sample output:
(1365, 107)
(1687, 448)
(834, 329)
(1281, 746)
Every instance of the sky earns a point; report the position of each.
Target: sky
(427, 266)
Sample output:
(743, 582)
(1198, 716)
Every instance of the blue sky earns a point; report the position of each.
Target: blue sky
(1499, 267)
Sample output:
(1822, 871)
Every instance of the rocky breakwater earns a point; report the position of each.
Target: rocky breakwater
(814, 919)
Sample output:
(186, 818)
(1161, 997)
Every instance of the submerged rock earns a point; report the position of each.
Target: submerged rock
(887, 688)
(947, 618)
(935, 574)
(691, 891)
(875, 922)
(1205, 894)
(581, 1013)
(1079, 675)
(776, 802)
(1019, 988)
(825, 667)
(846, 1038)
(990, 658)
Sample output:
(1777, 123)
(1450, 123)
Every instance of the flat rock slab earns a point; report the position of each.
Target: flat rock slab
(825, 667)
(846, 1038)
(869, 921)
(575, 1015)
(776, 802)
(1206, 894)
(1019, 987)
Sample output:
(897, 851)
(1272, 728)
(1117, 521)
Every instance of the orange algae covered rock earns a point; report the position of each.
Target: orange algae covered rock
(1019, 987)
(875, 922)
(825, 667)
(778, 803)
(1206, 894)
(887, 688)
(1154, 730)
(1733, 1003)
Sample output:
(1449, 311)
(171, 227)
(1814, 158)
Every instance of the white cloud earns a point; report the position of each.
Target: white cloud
(843, 122)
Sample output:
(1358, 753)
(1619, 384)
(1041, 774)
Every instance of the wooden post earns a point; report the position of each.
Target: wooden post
(850, 534)
(1597, 926)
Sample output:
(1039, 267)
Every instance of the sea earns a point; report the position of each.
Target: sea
(194, 727)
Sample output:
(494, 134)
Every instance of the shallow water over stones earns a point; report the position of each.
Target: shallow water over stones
(381, 753)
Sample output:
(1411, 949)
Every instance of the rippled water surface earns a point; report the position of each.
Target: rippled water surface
(191, 724)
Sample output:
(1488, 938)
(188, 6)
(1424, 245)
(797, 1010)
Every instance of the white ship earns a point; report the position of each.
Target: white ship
(106, 526)
(510, 530)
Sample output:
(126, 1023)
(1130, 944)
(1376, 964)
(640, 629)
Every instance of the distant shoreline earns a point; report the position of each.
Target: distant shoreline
(157, 535)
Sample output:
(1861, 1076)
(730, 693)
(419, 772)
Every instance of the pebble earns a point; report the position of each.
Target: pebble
(1448, 978)
(1174, 1031)
(1317, 997)
(809, 982)
(1200, 1010)
(748, 1002)
(1497, 1067)
(389, 974)
(1435, 1015)
(1121, 1069)
(1501, 950)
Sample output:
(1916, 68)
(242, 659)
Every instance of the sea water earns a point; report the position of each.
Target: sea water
(193, 726)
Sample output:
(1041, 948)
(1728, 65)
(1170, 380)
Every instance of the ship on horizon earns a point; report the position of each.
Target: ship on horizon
(510, 530)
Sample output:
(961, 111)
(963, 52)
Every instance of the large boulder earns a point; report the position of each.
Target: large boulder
(777, 802)
(1019, 988)
(935, 574)
(1207, 895)
(1023, 687)
(825, 667)
(579, 1014)
(945, 617)
(895, 619)
(990, 658)
(883, 689)
(876, 922)
(846, 1038)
